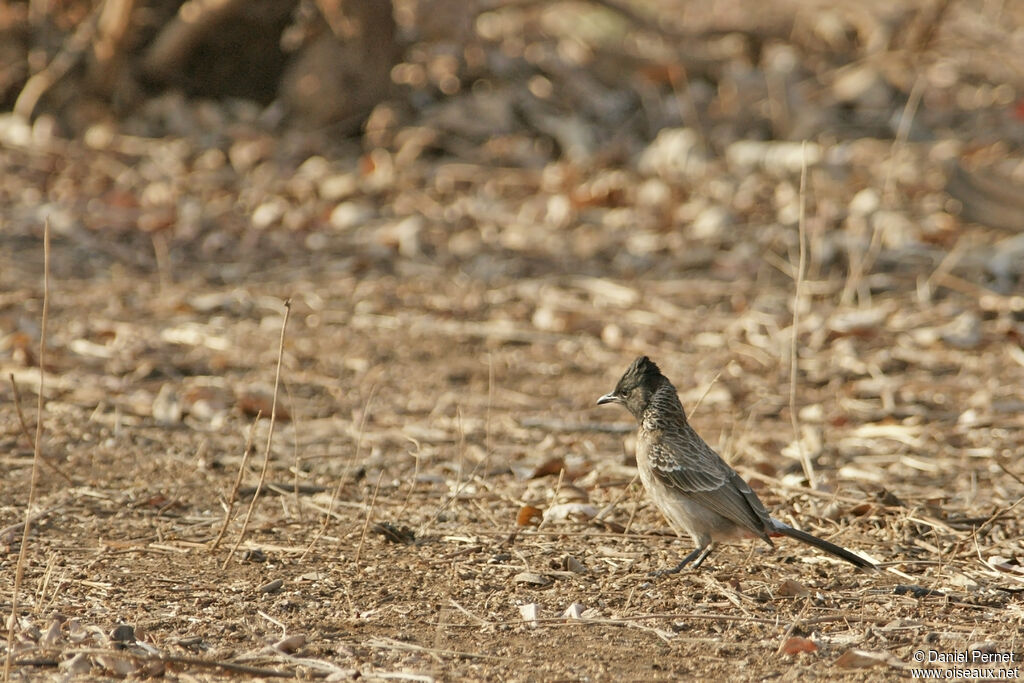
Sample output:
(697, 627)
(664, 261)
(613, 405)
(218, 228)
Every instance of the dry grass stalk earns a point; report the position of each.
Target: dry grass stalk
(28, 436)
(801, 268)
(233, 496)
(792, 627)
(459, 484)
(369, 516)
(902, 133)
(294, 410)
(707, 390)
(344, 474)
(196, 662)
(36, 455)
(490, 403)
(863, 264)
(415, 477)
(389, 643)
(270, 436)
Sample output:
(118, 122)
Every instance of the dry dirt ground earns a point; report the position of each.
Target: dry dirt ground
(427, 401)
(442, 499)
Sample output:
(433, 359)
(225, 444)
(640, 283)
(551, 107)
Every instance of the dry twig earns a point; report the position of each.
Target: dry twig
(28, 437)
(233, 496)
(801, 268)
(270, 436)
(369, 516)
(344, 474)
(66, 59)
(19, 572)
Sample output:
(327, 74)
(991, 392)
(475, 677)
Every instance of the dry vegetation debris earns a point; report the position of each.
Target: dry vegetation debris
(565, 187)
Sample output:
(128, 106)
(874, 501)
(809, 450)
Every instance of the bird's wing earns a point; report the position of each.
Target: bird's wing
(692, 468)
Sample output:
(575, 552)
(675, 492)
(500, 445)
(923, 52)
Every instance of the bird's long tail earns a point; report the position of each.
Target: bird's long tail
(822, 544)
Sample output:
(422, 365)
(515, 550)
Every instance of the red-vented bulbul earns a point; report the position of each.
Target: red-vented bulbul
(689, 482)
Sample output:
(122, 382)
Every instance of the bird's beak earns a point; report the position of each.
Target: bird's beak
(608, 398)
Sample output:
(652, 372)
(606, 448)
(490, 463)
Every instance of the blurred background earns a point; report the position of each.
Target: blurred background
(605, 137)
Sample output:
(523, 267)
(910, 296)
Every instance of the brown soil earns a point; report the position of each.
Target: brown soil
(435, 423)
(453, 319)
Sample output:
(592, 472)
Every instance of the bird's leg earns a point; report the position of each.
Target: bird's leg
(700, 554)
(704, 555)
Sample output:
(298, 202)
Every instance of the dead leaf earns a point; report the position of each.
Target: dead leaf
(574, 611)
(796, 645)
(530, 612)
(53, 637)
(1006, 564)
(571, 494)
(529, 516)
(253, 403)
(290, 644)
(532, 579)
(121, 666)
(861, 659)
(79, 665)
(21, 349)
(551, 466)
(575, 511)
(167, 406)
(574, 565)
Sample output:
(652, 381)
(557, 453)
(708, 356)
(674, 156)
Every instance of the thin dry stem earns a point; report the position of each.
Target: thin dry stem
(19, 573)
(1015, 477)
(704, 395)
(70, 53)
(681, 91)
(233, 667)
(478, 619)
(163, 262)
(554, 497)
(947, 264)
(792, 627)
(369, 516)
(805, 461)
(270, 437)
(344, 474)
(902, 133)
(459, 485)
(862, 267)
(490, 402)
(28, 436)
(295, 451)
(391, 644)
(462, 448)
(233, 496)
(637, 502)
(610, 507)
(412, 482)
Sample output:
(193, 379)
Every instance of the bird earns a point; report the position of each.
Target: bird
(693, 487)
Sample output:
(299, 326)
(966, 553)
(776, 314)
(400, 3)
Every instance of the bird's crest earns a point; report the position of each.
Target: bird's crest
(641, 382)
(642, 371)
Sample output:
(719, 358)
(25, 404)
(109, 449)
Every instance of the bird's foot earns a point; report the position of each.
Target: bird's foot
(667, 572)
(699, 554)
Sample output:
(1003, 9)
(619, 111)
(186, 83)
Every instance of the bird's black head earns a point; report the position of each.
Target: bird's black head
(636, 387)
